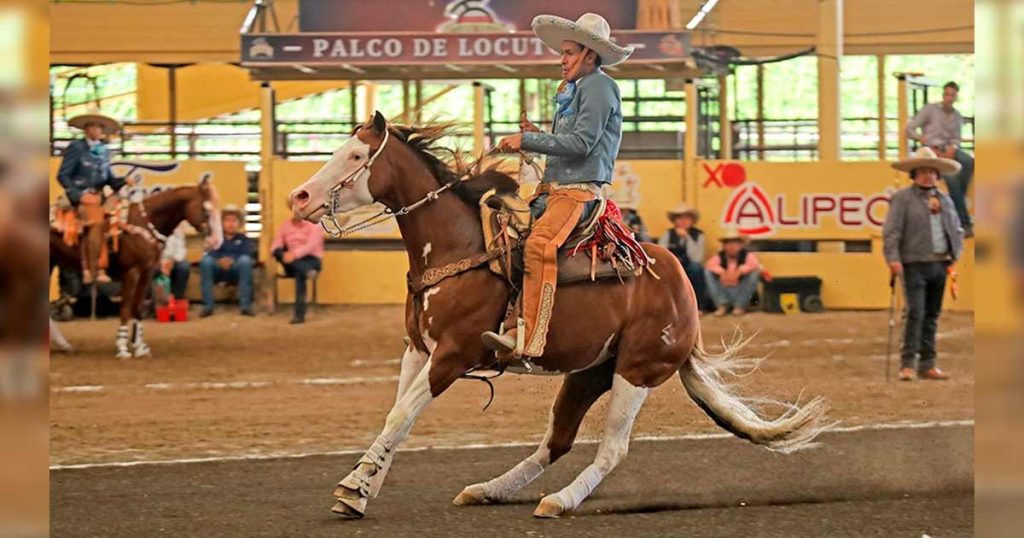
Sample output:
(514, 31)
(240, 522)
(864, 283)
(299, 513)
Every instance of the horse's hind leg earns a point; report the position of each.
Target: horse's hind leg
(579, 392)
(139, 347)
(129, 289)
(625, 403)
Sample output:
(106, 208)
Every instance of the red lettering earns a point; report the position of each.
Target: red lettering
(821, 204)
(713, 175)
(869, 208)
(849, 210)
(780, 209)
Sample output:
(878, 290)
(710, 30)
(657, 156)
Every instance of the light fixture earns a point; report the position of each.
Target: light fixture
(704, 10)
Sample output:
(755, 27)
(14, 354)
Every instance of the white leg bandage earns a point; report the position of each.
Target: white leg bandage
(140, 348)
(624, 405)
(122, 342)
(503, 488)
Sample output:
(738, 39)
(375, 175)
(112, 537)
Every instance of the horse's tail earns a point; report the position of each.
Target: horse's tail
(702, 375)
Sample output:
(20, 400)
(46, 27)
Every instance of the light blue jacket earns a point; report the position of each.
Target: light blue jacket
(586, 136)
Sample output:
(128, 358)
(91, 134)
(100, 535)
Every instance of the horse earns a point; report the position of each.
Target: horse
(145, 229)
(625, 337)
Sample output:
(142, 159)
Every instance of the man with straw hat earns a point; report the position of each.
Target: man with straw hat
(733, 274)
(233, 262)
(687, 242)
(581, 152)
(84, 171)
(923, 239)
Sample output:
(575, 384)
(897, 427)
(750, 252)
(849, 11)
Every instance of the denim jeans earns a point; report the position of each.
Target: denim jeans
(240, 273)
(738, 296)
(298, 270)
(924, 284)
(958, 184)
(179, 278)
(695, 272)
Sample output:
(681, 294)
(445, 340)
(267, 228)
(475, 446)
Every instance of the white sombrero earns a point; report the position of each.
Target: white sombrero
(590, 30)
(925, 157)
(110, 125)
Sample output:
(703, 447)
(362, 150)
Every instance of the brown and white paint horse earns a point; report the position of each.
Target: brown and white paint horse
(148, 224)
(626, 338)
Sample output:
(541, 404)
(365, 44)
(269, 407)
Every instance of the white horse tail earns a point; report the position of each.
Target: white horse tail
(702, 375)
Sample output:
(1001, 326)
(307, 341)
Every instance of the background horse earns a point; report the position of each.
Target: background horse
(141, 242)
(624, 337)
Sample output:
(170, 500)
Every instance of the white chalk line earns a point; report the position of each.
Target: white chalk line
(903, 425)
(228, 385)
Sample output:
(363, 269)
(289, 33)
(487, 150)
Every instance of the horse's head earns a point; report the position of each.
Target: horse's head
(344, 182)
(203, 212)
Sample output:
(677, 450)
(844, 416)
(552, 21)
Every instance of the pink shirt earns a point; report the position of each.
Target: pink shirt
(715, 264)
(301, 239)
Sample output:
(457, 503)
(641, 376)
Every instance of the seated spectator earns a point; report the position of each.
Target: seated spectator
(732, 275)
(686, 241)
(173, 264)
(299, 246)
(233, 263)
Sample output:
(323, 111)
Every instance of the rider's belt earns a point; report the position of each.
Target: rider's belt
(593, 188)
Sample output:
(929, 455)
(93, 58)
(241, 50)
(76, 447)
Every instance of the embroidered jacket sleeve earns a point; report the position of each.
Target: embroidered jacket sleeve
(596, 104)
(70, 158)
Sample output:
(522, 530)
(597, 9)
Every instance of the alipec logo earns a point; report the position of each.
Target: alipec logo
(752, 210)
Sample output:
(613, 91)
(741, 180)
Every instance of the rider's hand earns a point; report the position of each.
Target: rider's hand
(527, 126)
(896, 268)
(511, 144)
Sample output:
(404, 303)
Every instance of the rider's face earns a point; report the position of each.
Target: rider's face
(94, 131)
(576, 60)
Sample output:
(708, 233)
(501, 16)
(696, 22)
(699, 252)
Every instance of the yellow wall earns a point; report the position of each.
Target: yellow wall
(234, 91)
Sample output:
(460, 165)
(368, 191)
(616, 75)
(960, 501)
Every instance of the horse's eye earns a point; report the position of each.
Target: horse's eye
(357, 157)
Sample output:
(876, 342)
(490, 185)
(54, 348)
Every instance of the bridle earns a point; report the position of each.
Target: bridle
(329, 222)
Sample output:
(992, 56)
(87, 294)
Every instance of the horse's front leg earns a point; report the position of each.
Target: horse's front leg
(365, 480)
(129, 289)
(139, 346)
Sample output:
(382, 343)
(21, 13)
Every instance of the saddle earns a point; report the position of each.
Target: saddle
(600, 247)
(71, 222)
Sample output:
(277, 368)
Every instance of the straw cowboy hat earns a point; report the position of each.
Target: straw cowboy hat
(683, 208)
(590, 30)
(732, 234)
(110, 125)
(925, 157)
(231, 209)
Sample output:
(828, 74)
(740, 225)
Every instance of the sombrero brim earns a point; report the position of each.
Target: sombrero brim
(553, 30)
(110, 125)
(944, 166)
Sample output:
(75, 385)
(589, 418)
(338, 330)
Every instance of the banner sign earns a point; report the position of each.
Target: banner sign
(452, 16)
(819, 200)
(433, 48)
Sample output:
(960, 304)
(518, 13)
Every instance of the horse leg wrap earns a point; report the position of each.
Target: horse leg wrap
(140, 347)
(122, 343)
(381, 455)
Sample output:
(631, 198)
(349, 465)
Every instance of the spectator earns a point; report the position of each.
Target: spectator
(299, 247)
(940, 126)
(923, 239)
(233, 263)
(687, 242)
(732, 275)
(173, 264)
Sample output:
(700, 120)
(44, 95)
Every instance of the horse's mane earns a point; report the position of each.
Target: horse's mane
(425, 142)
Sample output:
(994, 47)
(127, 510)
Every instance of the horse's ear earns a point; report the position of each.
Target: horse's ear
(380, 124)
(206, 179)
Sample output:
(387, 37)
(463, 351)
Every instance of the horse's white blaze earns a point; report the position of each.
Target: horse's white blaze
(345, 160)
(426, 252)
(426, 296)
(412, 362)
(625, 403)
(213, 220)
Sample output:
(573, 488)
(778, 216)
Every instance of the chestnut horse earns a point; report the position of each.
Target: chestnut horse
(624, 337)
(145, 230)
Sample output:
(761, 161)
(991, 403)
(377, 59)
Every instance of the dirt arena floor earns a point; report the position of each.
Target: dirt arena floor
(229, 385)
(262, 418)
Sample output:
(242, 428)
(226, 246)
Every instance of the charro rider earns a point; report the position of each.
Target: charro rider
(581, 153)
(84, 171)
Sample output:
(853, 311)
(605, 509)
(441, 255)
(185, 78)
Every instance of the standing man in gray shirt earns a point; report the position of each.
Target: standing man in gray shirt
(923, 239)
(940, 125)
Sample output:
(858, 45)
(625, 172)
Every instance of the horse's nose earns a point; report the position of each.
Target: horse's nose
(299, 199)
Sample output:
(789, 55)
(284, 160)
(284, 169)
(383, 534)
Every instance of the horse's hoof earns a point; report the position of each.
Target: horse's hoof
(471, 496)
(124, 355)
(549, 507)
(141, 352)
(348, 509)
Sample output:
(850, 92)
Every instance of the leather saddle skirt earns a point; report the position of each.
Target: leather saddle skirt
(506, 221)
